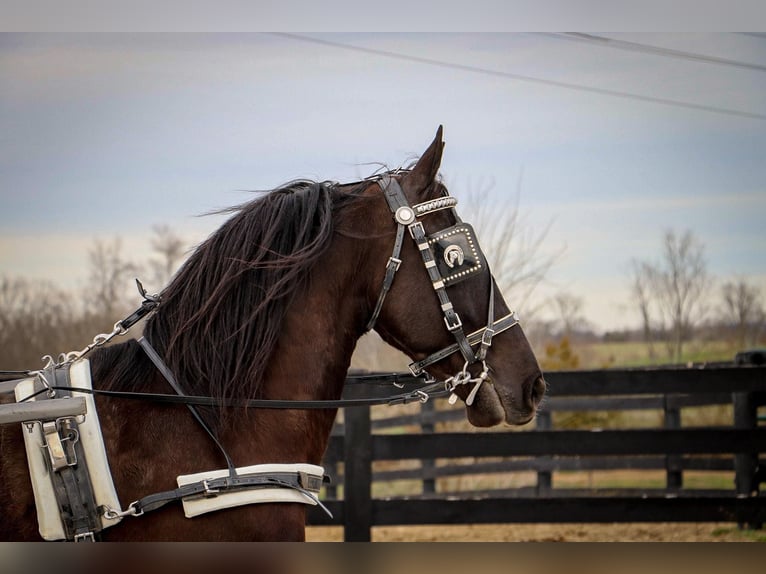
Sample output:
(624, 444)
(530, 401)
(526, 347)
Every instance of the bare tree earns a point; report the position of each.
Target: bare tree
(170, 249)
(743, 309)
(517, 253)
(677, 285)
(109, 278)
(569, 308)
(641, 291)
(36, 318)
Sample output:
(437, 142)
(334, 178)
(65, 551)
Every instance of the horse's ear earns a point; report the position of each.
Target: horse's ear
(423, 174)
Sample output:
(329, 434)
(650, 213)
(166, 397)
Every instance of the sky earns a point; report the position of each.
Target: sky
(106, 135)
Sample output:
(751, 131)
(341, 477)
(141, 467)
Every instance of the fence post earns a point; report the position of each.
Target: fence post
(544, 421)
(673, 468)
(357, 480)
(427, 426)
(745, 463)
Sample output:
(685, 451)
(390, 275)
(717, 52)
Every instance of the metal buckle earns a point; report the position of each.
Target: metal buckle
(396, 263)
(451, 327)
(61, 451)
(84, 537)
(486, 337)
(309, 481)
(210, 492)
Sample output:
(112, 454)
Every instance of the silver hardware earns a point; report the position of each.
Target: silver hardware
(115, 513)
(404, 215)
(486, 337)
(435, 205)
(210, 492)
(453, 256)
(422, 396)
(458, 324)
(84, 537)
(310, 481)
(98, 341)
(43, 380)
(396, 261)
(60, 449)
(464, 378)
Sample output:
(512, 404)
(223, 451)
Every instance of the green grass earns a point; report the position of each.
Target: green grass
(746, 534)
(636, 354)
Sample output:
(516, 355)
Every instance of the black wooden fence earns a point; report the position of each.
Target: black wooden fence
(674, 447)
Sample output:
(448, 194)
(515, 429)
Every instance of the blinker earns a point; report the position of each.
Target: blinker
(457, 253)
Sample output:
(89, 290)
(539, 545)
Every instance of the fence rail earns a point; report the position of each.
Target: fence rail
(735, 448)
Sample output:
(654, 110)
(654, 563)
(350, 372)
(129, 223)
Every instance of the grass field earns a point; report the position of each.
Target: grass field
(603, 355)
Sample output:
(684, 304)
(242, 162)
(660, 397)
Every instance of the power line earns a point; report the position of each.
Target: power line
(520, 77)
(647, 49)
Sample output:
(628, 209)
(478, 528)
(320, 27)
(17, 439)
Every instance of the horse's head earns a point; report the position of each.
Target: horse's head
(444, 298)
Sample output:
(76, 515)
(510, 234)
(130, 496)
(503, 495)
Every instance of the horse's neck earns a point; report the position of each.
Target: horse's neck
(318, 338)
(310, 362)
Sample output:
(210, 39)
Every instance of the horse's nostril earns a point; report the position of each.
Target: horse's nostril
(538, 391)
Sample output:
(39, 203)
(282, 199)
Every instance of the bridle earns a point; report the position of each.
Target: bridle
(449, 256)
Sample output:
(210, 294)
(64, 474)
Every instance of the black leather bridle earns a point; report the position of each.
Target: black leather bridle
(453, 266)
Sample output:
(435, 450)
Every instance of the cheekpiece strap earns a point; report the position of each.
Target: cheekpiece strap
(406, 216)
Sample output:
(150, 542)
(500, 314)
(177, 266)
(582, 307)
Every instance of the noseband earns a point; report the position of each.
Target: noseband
(452, 245)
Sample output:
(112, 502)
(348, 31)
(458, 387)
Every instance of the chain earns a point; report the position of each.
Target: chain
(121, 327)
(98, 341)
(465, 378)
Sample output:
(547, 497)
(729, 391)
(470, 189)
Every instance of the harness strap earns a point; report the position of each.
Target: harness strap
(502, 324)
(71, 480)
(489, 332)
(168, 374)
(300, 481)
(422, 395)
(391, 268)
(451, 318)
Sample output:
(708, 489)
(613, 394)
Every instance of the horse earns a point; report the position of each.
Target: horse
(270, 306)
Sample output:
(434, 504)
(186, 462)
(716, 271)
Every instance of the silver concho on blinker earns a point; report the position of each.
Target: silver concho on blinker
(454, 256)
(456, 253)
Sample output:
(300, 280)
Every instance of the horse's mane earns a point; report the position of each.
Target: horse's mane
(222, 313)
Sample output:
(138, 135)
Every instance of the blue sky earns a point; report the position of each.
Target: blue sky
(109, 134)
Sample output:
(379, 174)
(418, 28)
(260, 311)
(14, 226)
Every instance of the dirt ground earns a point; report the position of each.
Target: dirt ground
(618, 532)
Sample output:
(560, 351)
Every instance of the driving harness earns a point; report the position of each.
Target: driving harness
(74, 493)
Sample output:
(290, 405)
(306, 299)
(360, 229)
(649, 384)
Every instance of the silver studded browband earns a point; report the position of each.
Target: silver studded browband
(435, 205)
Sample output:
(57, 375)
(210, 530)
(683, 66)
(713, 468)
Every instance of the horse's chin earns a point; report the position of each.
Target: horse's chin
(488, 410)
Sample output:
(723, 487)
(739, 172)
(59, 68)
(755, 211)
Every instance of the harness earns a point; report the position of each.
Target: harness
(449, 256)
(74, 492)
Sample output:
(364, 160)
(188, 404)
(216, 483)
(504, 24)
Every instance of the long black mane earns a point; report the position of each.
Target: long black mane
(222, 313)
